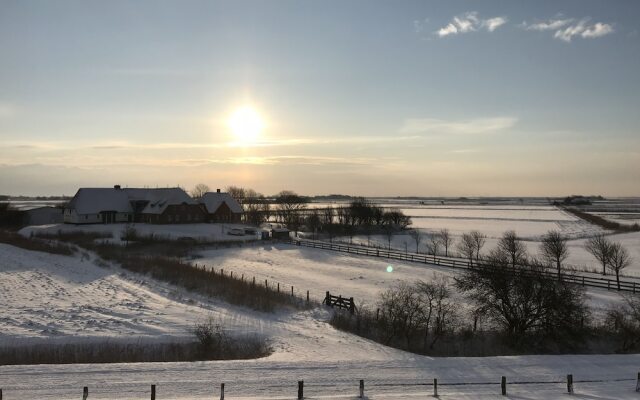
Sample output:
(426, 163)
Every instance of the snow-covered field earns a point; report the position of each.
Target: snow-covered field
(47, 297)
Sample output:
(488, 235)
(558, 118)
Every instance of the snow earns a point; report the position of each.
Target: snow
(46, 297)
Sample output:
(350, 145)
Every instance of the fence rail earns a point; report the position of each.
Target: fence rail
(579, 279)
(359, 390)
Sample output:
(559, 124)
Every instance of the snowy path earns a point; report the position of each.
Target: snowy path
(383, 379)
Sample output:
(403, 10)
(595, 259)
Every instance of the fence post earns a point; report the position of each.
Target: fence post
(503, 385)
(570, 384)
(377, 314)
(362, 388)
(85, 393)
(266, 284)
(327, 299)
(0, 394)
(638, 383)
(153, 392)
(222, 391)
(291, 290)
(242, 279)
(307, 296)
(278, 287)
(221, 271)
(254, 281)
(231, 274)
(352, 306)
(435, 387)
(300, 390)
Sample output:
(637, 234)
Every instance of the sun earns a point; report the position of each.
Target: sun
(246, 124)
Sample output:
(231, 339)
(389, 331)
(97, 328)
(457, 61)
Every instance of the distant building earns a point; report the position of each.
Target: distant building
(117, 205)
(221, 207)
(43, 216)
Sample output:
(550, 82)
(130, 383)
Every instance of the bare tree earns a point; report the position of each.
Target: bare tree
(467, 247)
(416, 235)
(437, 308)
(479, 239)
(389, 231)
(199, 190)
(446, 239)
(434, 243)
(402, 311)
(599, 247)
(313, 222)
(554, 248)
(619, 259)
(511, 245)
(236, 192)
(528, 304)
(289, 206)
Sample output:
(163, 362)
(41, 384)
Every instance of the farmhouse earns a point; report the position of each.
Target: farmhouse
(116, 205)
(221, 207)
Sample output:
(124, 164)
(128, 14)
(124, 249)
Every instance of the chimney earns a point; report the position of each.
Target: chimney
(116, 187)
(218, 190)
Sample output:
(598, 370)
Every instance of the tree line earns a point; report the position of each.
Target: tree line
(512, 307)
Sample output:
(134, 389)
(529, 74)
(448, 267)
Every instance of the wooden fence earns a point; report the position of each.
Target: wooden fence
(503, 384)
(449, 262)
(340, 302)
(276, 287)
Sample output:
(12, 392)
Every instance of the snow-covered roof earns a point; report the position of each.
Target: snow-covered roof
(159, 199)
(213, 200)
(95, 200)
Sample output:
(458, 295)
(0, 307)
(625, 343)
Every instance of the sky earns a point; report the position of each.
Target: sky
(372, 98)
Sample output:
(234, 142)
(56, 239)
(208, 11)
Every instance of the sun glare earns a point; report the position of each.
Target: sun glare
(246, 125)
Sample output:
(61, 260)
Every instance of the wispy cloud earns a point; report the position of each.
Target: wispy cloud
(549, 25)
(463, 127)
(494, 23)
(470, 22)
(566, 29)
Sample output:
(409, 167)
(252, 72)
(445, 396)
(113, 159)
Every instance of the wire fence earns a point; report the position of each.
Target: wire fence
(576, 278)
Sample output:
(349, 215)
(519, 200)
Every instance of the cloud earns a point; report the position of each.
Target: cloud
(597, 30)
(567, 28)
(549, 25)
(494, 23)
(470, 22)
(464, 127)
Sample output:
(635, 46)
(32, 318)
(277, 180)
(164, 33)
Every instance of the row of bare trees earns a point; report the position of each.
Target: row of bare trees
(553, 251)
(612, 255)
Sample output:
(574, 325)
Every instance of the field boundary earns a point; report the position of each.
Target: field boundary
(576, 278)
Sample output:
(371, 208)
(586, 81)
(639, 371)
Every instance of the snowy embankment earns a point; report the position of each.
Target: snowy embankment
(45, 296)
(202, 232)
